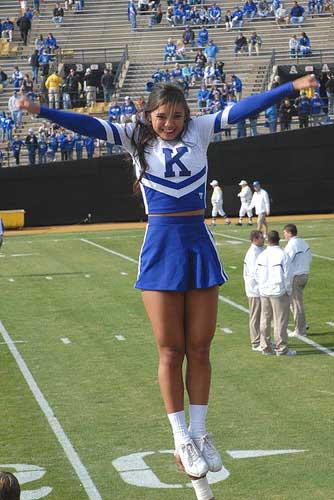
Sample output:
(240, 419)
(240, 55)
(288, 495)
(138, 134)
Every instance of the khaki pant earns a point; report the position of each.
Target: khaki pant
(254, 320)
(297, 303)
(54, 98)
(276, 309)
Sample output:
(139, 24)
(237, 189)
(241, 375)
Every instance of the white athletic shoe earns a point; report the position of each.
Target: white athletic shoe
(192, 459)
(209, 452)
(286, 353)
(257, 348)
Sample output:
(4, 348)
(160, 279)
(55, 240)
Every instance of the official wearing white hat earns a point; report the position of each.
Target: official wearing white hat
(217, 203)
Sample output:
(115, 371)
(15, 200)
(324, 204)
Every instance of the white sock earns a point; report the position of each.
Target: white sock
(197, 426)
(179, 426)
(202, 489)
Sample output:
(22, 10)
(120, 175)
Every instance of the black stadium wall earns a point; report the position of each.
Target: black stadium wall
(295, 167)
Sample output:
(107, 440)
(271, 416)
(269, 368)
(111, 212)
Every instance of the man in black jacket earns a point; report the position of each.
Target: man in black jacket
(58, 14)
(72, 84)
(107, 85)
(24, 25)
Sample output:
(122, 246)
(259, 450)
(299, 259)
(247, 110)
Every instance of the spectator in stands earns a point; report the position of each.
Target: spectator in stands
(237, 18)
(79, 5)
(70, 146)
(107, 81)
(285, 114)
(254, 43)
(31, 145)
(58, 14)
(15, 112)
(311, 7)
(203, 15)
(297, 14)
(90, 147)
(9, 486)
(180, 50)
(276, 82)
(128, 111)
(24, 25)
(132, 15)
(249, 9)
(228, 20)
(177, 73)
(271, 115)
(328, 7)
(236, 87)
(143, 5)
(23, 5)
(16, 146)
(17, 78)
(319, 4)
(29, 14)
(63, 144)
(186, 72)
(211, 51)
(39, 43)
(42, 148)
(303, 110)
(317, 108)
(170, 50)
(7, 29)
(240, 43)
(27, 87)
(3, 78)
(203, 37)
(209, 73)
(35, 6)
(52, 141)
(329, 86)
(293, 46)
(200, 58)
(73, 84)
(263, 8)
(188, 36)
(90, 87)
(304, 45)
(155, 16)
(140, 106)
(44, 62)
(53, 84)
(215, 15)
(8, 124)
(196, 74)
(51, 43)
(275, 4)
(203, 97)
(34, 63)
(179, 15)
(169, 16)
(281, 15)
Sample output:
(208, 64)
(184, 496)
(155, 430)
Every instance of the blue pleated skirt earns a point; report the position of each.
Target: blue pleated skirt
(179, 254)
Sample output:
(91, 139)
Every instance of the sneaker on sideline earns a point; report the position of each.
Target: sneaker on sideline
(286, 353)
(256, 348)
(209, 452)
(192, 460)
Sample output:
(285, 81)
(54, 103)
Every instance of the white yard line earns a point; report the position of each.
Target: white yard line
(230, 237)
(72, 455)
(109, 251)
(223, 299)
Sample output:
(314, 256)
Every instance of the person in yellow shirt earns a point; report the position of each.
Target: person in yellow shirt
(53, 84)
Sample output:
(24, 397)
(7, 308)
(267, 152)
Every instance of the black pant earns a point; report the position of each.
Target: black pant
(303, 121)
(17, 158)
(64, 155)
(24, 36)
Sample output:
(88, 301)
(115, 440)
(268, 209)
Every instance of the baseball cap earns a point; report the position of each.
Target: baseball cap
(126, 97)
(243, 183)
(214, 183)
(256, 183)
(31, 130)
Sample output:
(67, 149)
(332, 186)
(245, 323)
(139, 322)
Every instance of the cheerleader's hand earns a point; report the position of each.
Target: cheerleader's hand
(26, 104)
(305, 82)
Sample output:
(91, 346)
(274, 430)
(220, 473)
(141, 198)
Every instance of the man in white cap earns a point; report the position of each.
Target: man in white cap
(260, 201)
(245, 196)
(217, 203)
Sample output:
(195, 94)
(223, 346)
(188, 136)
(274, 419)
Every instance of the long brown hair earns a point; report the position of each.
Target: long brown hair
(143, 134)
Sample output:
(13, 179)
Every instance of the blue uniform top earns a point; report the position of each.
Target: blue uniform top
(176, 178)
(16, 146)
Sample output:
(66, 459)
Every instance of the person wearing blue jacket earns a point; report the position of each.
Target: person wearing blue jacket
(114, 112)
(132, 15)
(8, 125)
(90, 147)
(203, 37)
(271, 115)
(63, 141)
(52, 149)
(170, 51)
(249, 9)
(215, 14)
(236, 87)
(317, 108)
(211, 51)
(303, 109)
(16, 146)
(79, 145)
(237, 18)
(203, 96)
(31, 145)
(304, 45)
(42, 149)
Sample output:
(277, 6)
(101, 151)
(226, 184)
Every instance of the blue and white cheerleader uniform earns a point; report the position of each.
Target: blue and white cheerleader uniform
(178, 252)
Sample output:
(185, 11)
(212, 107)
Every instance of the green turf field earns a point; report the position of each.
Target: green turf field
(79, 325)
